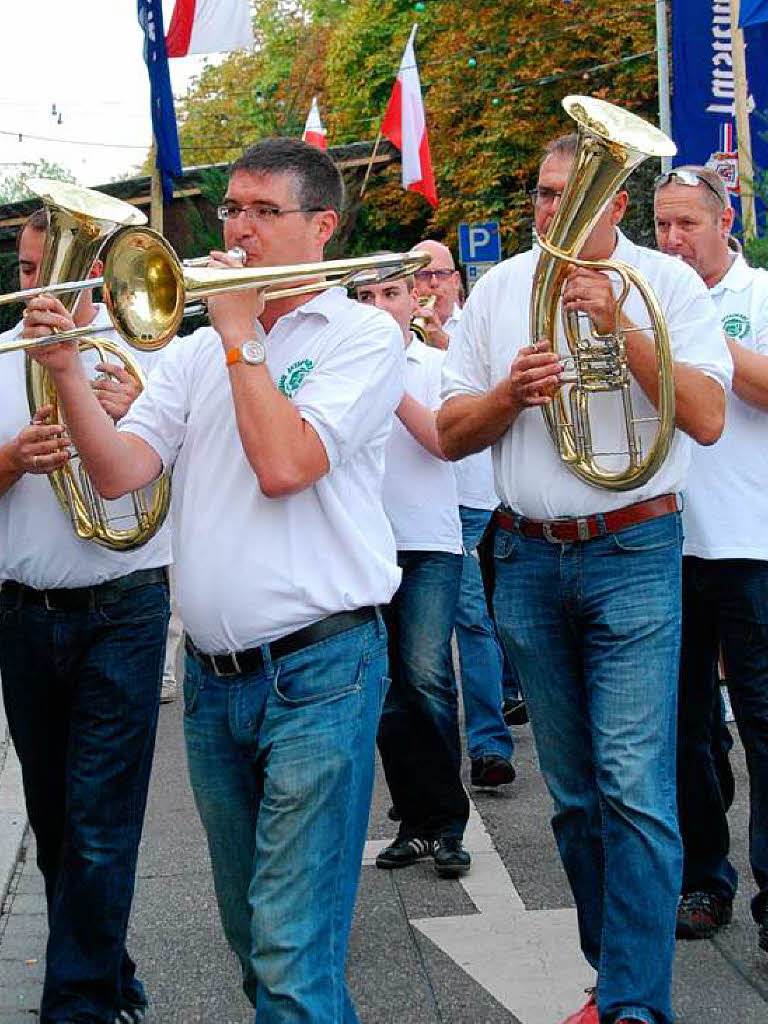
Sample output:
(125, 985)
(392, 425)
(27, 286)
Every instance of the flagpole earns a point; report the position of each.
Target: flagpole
(155, 191)
(370, 162)
(662, 55)
(744, 141)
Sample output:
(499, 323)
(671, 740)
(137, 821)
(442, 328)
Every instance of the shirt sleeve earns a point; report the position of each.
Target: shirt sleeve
(467, 369)
(159, 414)
(694, 326)
(356, 387)
(760, 330)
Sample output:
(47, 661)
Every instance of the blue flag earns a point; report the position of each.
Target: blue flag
(163, 112)
(752, 12)
(703, 114)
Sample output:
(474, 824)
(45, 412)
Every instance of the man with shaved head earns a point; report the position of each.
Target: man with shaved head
(725, 563)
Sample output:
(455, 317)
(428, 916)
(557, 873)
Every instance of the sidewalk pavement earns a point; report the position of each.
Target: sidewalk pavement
(13, 816)
(497, 948)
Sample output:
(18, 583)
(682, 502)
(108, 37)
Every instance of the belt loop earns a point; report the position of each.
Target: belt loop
(518, 520)
(601, 526)
(582, 525)
(266, 657)
(48, 606)
(381, 628)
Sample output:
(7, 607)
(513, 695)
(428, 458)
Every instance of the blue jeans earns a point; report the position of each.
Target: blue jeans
(594, 630)
(725, 603)
(81, 691)
(480, 655)
(281, 763)
(419, 731)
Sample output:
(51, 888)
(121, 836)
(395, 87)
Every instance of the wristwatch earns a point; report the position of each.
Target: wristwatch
(251, 352)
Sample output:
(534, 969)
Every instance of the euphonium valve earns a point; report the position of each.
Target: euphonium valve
(612, 142)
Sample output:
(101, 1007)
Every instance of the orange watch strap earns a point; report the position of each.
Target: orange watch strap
(234, 356)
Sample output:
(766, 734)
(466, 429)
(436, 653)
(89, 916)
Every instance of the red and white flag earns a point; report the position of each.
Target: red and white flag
(314, 133)
(406, 127)
(209, 26)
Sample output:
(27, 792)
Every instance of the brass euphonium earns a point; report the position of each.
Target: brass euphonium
(79, 223)
(612, 142)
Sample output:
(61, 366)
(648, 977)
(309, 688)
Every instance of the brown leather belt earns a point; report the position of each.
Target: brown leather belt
(566, 531)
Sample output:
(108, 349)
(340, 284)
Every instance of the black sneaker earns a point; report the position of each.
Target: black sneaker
(701, 914)
(513, 712)
(490, 772)
(762, 934)
(451, 859)
(404, 852)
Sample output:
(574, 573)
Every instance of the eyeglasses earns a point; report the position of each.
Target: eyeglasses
(425, 276)
(686, 178)
(259, 212)
(545, 196)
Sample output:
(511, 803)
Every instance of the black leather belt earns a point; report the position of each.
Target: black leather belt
(75, 599)
(252, 660)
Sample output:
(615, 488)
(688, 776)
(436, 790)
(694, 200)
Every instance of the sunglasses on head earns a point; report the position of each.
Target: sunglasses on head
(685, 177)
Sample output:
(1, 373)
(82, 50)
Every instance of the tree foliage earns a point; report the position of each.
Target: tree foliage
(13, 187)
(492, 75)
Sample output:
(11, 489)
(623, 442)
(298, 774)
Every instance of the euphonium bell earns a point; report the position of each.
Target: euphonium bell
(612, 142)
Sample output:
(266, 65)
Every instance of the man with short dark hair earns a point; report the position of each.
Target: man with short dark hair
(275, 420)
(587, 580)
(725, 563)
(82, 635)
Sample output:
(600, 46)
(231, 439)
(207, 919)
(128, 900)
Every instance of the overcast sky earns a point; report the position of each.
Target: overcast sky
(84, 56)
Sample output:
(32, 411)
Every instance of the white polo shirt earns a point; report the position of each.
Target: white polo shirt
(474, 473)
(530, 476)
(250, 569)
(38, 546)
(420, 489)
(725, 514)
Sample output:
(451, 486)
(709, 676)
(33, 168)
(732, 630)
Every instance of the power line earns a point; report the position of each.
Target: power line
(546, 80)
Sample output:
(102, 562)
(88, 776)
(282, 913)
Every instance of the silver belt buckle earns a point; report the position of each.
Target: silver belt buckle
(547, 531)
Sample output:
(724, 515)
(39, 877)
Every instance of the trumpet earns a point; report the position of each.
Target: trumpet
(147, 288)
(418, 323)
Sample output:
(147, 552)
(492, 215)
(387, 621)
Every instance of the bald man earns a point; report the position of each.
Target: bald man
(439, 280)
(489, 742)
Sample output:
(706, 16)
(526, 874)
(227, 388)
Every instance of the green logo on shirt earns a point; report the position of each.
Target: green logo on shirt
(294, 376)
(736, 325)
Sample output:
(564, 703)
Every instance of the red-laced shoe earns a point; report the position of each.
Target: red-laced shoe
(587, 1014)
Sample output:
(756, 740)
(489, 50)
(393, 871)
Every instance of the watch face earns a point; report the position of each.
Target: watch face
(253, 352)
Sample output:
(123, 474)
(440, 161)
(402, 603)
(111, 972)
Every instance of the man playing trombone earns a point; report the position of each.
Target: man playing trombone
(275, 421)
(82, 638)
(587, 592)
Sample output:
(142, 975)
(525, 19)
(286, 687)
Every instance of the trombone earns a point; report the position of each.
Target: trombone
(147, 288)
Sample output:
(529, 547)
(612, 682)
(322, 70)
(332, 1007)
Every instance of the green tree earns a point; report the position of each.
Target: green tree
(492, 77)
(13, 187)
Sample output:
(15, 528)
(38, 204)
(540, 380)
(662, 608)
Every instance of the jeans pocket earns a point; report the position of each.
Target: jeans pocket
(655, 535)
(505, 545)
(319, 674)
(139, 605)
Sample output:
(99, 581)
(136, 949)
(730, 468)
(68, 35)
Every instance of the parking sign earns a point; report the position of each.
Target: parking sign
(479, 243)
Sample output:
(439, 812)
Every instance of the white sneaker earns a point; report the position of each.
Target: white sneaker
(169, 691)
